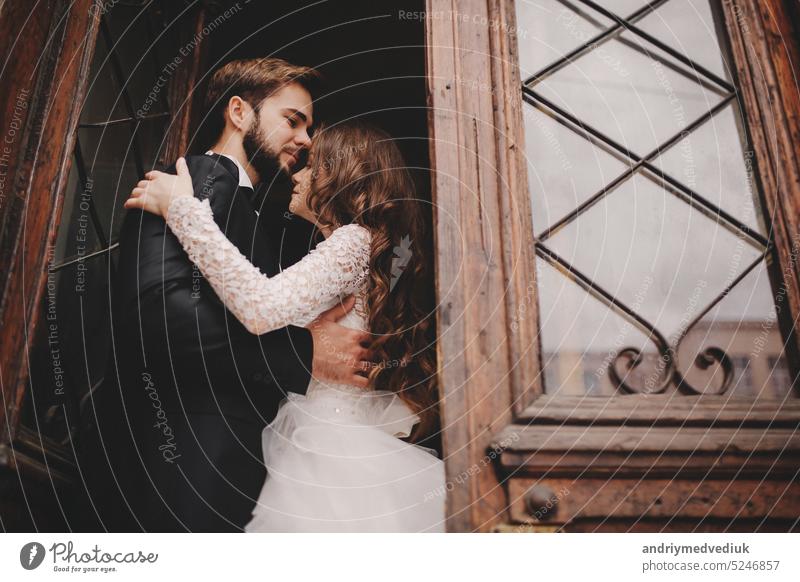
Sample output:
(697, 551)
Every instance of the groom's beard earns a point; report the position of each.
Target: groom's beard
(261, 156)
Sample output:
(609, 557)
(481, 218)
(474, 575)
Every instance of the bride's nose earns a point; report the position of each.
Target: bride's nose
(296, 178)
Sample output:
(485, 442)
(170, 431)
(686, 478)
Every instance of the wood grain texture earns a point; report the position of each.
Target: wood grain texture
(516, 222)
(656, 409)
(766, 57)
(579, 451)
(647, 525)
(659, 499)
(646, 439)
(487, 367)
(57, 70)
(710, 455)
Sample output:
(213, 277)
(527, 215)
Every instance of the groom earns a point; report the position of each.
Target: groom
(197, 388)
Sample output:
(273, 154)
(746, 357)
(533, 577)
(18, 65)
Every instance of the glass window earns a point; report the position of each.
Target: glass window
(651, 245)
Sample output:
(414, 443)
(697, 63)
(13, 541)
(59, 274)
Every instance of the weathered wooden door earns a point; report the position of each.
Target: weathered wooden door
(95, 92)
(617, 232)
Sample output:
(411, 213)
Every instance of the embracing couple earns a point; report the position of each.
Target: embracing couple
(259, 400)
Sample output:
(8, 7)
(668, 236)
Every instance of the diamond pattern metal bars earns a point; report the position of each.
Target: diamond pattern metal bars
(628, 358)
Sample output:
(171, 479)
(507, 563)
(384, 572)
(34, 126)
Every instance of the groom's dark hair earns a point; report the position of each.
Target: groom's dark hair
(254, 80)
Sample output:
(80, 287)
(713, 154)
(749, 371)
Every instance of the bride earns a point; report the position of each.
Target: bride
(334, 456)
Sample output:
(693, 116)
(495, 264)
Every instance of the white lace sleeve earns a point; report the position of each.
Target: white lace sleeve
(337, 266)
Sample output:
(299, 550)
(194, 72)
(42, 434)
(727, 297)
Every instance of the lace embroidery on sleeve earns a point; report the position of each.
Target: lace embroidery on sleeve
(338, 266)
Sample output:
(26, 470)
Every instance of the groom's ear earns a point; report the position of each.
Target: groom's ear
(239, 113)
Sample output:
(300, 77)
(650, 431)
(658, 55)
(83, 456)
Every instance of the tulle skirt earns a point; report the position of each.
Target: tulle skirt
(335, 464)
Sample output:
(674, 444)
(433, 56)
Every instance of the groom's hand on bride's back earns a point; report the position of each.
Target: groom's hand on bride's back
(339, 353)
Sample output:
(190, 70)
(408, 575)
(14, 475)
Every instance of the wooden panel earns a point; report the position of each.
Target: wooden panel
(46, 143)
(766, 57)
(452, 368)
(650, 462)
(659, 499)
(642, 439)
(516, 223)
(487, 366)
(646, 525)
(660, 451)
(656, 409)
(17, 51)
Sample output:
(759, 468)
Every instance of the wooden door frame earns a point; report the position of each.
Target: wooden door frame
(488, 346)
(61, 49)
(60, 39)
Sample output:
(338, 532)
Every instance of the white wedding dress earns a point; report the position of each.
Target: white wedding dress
(334, 457)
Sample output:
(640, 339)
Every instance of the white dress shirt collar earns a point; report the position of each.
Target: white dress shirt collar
(244, 179)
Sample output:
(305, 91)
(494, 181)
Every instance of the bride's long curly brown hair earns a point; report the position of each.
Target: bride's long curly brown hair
(358, 175)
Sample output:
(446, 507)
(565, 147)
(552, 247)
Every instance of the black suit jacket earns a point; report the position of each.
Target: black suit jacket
(185, 328)
(188, 389)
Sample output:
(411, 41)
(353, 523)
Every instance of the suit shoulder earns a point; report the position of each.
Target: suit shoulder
(208, 166)
(209, 176)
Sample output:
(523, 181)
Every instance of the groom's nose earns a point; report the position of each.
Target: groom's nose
(302, 138)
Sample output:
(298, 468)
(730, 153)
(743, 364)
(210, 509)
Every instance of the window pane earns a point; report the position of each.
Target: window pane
(550, 29)
(711, 160)
(76, 233)
(103, 102)
(139, 58)
(109, 154)
(651, 268)
(640, 230)
(690, 27)
(632, 92)
(582, 337)
(553, 151)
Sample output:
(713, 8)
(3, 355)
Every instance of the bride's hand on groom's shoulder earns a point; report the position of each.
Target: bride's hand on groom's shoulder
(154, 193)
